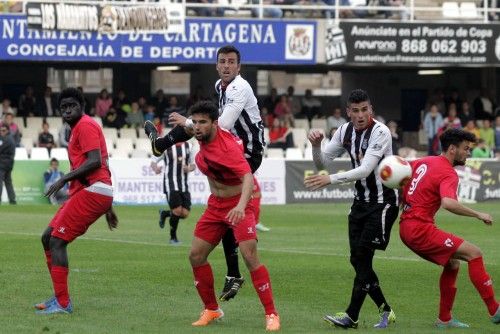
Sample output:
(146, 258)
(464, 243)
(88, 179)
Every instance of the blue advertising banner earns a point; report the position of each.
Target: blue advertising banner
(260, 42)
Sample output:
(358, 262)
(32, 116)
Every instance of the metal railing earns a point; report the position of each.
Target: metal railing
(332, 12)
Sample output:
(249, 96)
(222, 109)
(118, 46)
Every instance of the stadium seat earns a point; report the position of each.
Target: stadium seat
(299, 137)
(450, 9)
(60, 153)
(294, 154)
(39, 153)
(34, 123)
(302, 123)
(109, 145)
(21, 154)
(468, 10)
(139, 154)
(128, 133)
(318, 123)
(31, 133)
(111, 134)
(98, 120)
(120, 153)
(275, 153)
(27, 143)
(54, 123)
(308, 155)
(124, 144)
(143, 144)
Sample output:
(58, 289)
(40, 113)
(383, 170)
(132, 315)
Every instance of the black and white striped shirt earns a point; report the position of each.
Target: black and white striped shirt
(366, 149)
(240, 114)
(174, 158)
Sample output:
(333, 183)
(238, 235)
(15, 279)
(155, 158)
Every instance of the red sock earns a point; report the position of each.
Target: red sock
(48, 259)
(204, 282)
(60, 281)
(483, 283)
(448, 290)
(262, 284)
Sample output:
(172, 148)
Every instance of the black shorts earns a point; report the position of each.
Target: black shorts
(179, 198)
(255, 161)
(370, 224)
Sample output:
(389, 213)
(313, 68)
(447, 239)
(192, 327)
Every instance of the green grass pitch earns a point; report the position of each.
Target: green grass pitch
(131, 281)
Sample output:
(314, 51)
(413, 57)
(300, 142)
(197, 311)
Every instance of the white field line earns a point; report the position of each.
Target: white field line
(286, 251)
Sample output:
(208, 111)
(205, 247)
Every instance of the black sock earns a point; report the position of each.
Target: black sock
(176, 135)
(231, 253)
(358, 296)
(174, 221)
(377, 296)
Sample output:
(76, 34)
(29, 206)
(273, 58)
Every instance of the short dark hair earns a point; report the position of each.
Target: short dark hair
(228, 49)
(205, 107)
(54, 160)
(71, 92)
(357, 96)
(455, 137)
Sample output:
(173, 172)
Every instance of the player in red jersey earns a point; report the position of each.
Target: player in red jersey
(231, 183)
(91, 196)
(434, 184)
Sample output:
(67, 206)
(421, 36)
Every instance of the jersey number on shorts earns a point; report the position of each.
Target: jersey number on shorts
(421, 170)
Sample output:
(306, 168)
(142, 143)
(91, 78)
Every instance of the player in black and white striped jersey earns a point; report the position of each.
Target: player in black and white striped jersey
(375, 206)
(178, 162)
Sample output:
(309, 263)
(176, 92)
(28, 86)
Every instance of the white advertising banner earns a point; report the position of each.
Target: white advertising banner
(134, 182)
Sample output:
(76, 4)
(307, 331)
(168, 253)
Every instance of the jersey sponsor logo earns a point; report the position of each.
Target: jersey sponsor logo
(364, 145)
(264, 287)
(250, 230)
(448, 243)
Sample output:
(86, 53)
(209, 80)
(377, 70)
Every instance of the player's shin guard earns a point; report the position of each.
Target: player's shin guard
(48, 259)
(262, 284)
(483, 283)
(177, 135)
(448, 291)
(59, 277)
(204, 282)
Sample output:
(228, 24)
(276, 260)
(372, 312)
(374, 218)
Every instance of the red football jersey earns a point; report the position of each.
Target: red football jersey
(222, 159)
(433, 178)
(86, 136)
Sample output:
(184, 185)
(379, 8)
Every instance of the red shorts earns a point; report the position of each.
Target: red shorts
(428, 241)
(80, 211)
(213, 224)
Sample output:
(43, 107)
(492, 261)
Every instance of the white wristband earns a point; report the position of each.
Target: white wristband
(333, 179)
(189, 123)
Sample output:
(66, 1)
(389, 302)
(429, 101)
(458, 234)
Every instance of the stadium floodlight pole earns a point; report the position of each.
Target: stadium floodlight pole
(485, 11)
(412, 10)
(337, 14)
(261, 9)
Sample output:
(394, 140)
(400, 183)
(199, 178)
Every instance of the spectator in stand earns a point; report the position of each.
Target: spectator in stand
(283, 111)
(466, 114)
(438, 99)
(196, 95)
(268, 12)
(5, 108)
(64, 134)
(88, 110)
(114, 119)
(456, 99)
(159, 101)
(497, 134)
(271, 101)
(403, 14)
(433, 121)
(280, 135)
(14, 131)
(7, 153)
(120, 100)
(141, 101)
(487, 134)
(335, 120)
(173, 106)
(51, 176)
(27, 103)
(293, 101)
(396, 136)
(46, 106)
(135, 118)
(471, 127)
(481, 150)
(452, 119)
(310, 106)
(103, 103)
(45, 138)
(267, 117)
(483, 105)
(149, 113)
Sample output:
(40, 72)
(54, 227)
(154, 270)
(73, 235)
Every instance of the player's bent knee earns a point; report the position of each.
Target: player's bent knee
(46, 238)
(57, 243)
(177, 211)
(197, 258)
(185, 213)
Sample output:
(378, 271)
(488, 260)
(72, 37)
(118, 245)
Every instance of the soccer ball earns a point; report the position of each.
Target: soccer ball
(394, 171)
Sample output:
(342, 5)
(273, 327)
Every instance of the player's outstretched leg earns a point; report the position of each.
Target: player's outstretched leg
(159, 144)
(163, 216)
